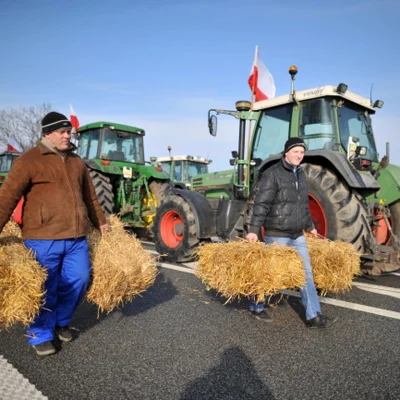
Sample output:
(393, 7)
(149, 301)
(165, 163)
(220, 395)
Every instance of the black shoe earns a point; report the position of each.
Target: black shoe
(261, 315)
(320, 321)
(45, 349)
(64, 333)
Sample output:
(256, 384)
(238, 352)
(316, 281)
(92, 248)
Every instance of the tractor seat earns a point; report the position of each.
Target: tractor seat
(116, 155)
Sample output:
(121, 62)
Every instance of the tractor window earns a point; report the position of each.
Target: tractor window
(272, 132)
(354, 122)
(5, 163)
(316, 128)
(88, 144)
(178, 171)
(197, 169)
(122, 146)
(166, 166)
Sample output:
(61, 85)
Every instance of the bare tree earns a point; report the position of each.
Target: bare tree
(23, 124)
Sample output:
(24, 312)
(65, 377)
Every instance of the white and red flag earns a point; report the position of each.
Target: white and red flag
(14, 146)
(74, 119)
(261, 82)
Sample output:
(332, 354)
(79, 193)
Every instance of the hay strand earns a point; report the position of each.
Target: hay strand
(21, 283)
(243, 269)
(334, 264)
(122, 268)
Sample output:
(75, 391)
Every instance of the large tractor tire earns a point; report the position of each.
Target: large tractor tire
(336, 211)
(160, 190)
(104, 192)
(174, 230)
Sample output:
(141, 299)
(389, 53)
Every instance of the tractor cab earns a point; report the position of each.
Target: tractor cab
(183, 168)
(6, 160)
(111, 142)
(327, 118)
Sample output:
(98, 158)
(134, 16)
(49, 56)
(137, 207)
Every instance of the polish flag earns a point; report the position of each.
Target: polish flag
(14, 146)
(261, 82)
(74, 119)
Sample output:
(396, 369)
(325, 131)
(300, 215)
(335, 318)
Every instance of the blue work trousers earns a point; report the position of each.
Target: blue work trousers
(308, 293)
(68, 275)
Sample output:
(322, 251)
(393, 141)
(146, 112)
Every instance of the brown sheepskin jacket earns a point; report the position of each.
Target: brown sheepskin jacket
(59, 195)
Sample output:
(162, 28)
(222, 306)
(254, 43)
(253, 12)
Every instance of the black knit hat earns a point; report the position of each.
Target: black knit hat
(53, 121)
(293, 142)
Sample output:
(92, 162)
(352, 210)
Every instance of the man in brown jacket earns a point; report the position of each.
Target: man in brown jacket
(60, 202)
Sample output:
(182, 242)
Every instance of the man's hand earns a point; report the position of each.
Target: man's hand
(251, 237)
(314, 232)
(104, 228)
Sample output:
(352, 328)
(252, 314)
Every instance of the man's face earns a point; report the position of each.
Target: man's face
(60, 138)
(295, 155)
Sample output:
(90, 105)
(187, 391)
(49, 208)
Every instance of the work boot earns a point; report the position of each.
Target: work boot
(320, 321)
(45, 349)
(261, 315)
(64, 333)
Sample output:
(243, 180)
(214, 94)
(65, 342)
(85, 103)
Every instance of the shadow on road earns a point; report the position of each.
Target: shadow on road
(243, 303)
(163, 290)
(234, 378)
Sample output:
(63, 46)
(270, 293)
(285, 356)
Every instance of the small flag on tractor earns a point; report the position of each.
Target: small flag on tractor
(74, 119)
(261, 82)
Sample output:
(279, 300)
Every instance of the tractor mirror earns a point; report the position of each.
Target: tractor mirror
(212, 125)
(255, 162)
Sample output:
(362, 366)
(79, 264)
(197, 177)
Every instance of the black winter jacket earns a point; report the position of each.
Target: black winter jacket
(281, 202)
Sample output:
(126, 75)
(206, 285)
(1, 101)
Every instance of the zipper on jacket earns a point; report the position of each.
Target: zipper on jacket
(73, 193)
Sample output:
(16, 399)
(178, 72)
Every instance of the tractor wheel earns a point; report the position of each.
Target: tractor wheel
(158, 192)
(104, 191)
(337, 213)
(174, 230)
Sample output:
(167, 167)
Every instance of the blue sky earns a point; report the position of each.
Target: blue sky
(161, 64)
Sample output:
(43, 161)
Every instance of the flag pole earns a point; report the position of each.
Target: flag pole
(247, 170)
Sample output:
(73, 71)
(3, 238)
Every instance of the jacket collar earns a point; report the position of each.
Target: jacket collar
(288, 166)
(46, 147)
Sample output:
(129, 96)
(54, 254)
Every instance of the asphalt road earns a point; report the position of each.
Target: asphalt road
(180, 341)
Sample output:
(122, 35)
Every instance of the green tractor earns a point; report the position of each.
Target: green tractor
(6, 160)
(125, 185)
(353, 196)
(182, 169)
(114, 154)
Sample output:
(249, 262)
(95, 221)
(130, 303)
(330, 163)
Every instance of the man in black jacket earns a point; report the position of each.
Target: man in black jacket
(281, 206)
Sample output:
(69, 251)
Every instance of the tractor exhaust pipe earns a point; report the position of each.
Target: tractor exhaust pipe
(388, 151)
(239, 188)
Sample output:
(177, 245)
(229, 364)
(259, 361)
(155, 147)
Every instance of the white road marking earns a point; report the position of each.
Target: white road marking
(176, 267)
(352, 306)
(148, 243)
(334, 302)
(395, 273)
(383, 290)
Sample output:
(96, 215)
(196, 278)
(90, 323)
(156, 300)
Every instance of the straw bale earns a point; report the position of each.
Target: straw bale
(334, 264)
(122, 268)
(21, 284)
(243, 269)
(11, 233)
